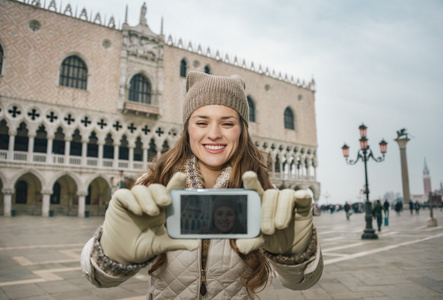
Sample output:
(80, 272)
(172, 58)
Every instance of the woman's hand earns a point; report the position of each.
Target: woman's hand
(286, 220)
(134, 227)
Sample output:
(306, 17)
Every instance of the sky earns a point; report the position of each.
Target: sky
(374, 62)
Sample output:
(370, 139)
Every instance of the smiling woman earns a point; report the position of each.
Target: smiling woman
(214, 151)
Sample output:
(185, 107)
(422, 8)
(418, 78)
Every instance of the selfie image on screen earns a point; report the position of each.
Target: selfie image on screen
(210, 214)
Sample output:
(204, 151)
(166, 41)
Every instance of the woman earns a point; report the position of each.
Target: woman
(226, 217)
(215, 150)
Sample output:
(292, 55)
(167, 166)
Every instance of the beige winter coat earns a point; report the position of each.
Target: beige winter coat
(180, 277)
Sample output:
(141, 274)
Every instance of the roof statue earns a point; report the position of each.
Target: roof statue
(143, 14)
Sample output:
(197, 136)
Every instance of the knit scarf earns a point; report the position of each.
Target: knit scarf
(195, 179)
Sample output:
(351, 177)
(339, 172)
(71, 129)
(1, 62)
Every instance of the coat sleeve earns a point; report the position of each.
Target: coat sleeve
(94, 274)
(301, 276)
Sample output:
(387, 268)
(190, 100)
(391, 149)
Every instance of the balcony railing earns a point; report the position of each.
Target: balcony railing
(60, 160)
(106, 163)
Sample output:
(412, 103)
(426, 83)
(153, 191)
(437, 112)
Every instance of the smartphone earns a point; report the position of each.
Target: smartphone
(213, 214)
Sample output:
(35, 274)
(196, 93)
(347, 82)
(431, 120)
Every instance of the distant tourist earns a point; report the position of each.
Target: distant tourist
(417, 207)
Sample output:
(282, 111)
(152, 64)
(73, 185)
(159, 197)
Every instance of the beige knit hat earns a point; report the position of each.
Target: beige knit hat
(204, 89)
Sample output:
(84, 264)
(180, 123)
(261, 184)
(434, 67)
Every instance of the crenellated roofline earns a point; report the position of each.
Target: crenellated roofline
(178, 43)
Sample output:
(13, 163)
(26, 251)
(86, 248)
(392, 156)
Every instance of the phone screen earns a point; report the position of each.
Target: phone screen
(213, 214)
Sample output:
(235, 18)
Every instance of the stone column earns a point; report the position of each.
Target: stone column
(145, 158)
(100, 153)
(67, 149)
(11, 145)
(50, 140)
(84, 151)
(45, 202)
(7, 201)
(81, 205)
(30, 148)
(131, 155)
(116, 145)
(404, 169)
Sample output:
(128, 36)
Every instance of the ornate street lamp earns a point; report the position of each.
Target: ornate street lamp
(365, 153)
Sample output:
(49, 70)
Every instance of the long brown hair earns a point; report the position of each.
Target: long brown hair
(247, 158)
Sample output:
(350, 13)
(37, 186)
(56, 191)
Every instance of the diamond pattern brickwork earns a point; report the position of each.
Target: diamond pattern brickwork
(33, 58)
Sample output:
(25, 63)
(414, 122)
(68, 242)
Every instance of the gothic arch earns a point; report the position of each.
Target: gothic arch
(23, 172)
(59, 175)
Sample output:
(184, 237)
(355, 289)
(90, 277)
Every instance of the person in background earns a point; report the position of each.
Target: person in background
(347, 209)
(377, 212)
(411, 207)
(398, 207)
(417, 207)
(216, 151)
(386, 206)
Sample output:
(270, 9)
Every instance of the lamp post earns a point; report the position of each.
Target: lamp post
(365, 153)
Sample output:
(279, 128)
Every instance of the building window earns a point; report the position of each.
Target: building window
(207, 69)
(140, 89)
(183, 68)
(251, 109)
(76, 144)
(21, 139)
(74, 73)
(58, 144)
(92, 148)
(123, 149)
(40, 140)
(108, 147)
(1, 59)
(4, 135)
(289, 119)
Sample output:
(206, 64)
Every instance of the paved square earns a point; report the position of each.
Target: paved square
(39, 259)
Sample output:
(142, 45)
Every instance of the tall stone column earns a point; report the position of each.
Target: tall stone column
(46, 202)
(100, 153)
(404, 168)
(81, 204)
(30, 148)
(7, 201)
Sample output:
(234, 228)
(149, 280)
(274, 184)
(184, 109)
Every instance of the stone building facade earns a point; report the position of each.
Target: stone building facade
(82, 101)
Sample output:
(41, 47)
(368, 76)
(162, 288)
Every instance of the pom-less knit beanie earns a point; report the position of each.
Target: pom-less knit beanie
(203, 89)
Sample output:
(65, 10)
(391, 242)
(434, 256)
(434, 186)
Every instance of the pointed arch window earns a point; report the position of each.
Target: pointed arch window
(140, 89)
(21, 192)
(74, 73)
(40, 140)
(183, 68)
(251, 109)
(21, 139)
(289, 119)
(55, 196)
(4, 135)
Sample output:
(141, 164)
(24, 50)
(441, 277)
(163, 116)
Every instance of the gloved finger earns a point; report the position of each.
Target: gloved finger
(126, 199)
(303, 201)
(268, 208)
(285, 209)
(145, 200)
(247, 245)
(177, 182)
(251, 182)
(164, 243)
(160, 194)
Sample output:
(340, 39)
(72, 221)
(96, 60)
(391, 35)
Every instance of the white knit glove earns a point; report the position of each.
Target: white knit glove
(286, 220)
(134, 227)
